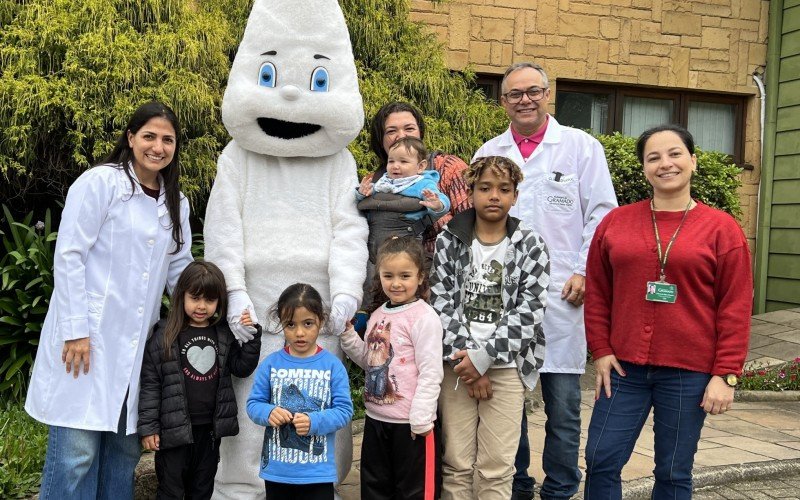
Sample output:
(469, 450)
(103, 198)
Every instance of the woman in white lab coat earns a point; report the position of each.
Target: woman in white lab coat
(124, 235)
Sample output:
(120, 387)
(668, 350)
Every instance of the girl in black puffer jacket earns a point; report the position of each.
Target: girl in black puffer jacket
(186, 401)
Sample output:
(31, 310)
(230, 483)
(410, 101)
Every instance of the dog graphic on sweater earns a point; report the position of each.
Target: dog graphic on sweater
(379, 386)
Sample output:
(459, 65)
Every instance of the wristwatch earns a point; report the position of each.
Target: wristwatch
(731, 379)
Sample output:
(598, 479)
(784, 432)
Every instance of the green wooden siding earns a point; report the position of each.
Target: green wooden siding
(788, 143)
(784, 240)
(787, 167)
(778, 306)
(790, 68)
(788, 118)
(784, 266)
(791, 19)
(786, 191)
(778, 242)
(783, 290)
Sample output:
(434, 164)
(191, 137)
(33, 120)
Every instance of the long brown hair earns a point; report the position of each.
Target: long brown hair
(199, 278)
(393, 246)
(122, 156)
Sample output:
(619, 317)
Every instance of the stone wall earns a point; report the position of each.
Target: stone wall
(712, 45)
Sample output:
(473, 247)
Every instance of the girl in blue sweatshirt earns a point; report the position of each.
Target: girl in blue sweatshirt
(302, 395)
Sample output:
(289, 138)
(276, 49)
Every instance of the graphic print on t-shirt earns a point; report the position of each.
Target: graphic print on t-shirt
(200, 358)
(198, 349)
(482, 300)
(379, 387)
(298, 390)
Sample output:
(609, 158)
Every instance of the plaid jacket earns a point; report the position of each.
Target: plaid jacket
(519, 336)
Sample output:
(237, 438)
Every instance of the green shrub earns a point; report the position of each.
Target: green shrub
(356, 374)
(22, 452)
(715, 183)
(26, 283)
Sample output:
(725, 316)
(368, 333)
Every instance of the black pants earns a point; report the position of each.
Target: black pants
(314, 491)
(188, 471)
(396, 467)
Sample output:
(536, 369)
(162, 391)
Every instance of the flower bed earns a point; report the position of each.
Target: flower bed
(783, 377)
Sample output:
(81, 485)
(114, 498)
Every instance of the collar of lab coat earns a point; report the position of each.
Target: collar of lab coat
(551, 135)
(136, 189)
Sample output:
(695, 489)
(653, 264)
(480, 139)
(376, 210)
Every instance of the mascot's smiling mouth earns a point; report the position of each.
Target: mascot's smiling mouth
(286, 130)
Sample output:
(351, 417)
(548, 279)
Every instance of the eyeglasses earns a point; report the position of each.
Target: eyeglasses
(534, 94)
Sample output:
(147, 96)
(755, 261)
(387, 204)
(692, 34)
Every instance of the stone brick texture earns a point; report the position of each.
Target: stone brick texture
(705, 45)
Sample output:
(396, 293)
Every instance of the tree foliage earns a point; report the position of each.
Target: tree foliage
(71, 73)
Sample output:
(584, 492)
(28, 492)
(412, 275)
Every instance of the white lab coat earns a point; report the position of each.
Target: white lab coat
(566, 213)
(111, 264)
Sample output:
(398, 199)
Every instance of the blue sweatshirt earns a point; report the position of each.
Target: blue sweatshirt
(318, 386)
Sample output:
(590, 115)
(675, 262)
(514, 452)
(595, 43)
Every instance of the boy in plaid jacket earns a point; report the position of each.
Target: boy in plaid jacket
(489, 286)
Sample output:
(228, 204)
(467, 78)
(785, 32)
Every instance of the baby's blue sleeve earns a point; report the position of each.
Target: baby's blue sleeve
(429, 184)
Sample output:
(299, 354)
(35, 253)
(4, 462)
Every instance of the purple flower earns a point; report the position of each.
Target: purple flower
(782, 374)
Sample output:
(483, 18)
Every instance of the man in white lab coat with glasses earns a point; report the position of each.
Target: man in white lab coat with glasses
(567, 190)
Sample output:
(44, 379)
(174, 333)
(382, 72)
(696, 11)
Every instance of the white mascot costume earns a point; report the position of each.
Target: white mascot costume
(282, 209)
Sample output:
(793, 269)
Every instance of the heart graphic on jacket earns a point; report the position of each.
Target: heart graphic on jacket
(201, 358)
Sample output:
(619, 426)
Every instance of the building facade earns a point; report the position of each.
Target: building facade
(777, 277)
(624, 65)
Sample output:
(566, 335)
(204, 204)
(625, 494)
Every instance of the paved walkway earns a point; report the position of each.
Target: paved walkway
(751, 433)
(784, 488)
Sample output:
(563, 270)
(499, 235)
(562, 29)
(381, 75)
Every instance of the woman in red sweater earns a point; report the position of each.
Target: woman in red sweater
(668, 302)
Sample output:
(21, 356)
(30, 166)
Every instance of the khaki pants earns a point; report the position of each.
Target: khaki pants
(480, 436)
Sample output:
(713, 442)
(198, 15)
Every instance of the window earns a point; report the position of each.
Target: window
(715, 120)
(489, 85)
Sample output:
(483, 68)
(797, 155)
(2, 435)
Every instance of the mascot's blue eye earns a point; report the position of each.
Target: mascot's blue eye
(320, 80)
(266, 75)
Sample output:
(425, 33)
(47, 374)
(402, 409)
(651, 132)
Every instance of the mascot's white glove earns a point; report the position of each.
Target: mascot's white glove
(238, 301)
(343, 309)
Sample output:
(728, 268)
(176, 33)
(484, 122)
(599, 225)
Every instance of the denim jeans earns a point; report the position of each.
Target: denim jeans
(523, 483)
(561, 393)
(89, 465)
(674, 395)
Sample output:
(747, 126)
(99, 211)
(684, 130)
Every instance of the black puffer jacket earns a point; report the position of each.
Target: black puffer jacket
(163, 409)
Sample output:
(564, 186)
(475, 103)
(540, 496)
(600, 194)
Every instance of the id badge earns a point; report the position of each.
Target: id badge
(661, 291)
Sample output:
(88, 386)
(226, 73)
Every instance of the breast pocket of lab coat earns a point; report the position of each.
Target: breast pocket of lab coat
(559, 196)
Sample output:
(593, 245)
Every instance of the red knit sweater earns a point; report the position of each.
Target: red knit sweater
(708, 328)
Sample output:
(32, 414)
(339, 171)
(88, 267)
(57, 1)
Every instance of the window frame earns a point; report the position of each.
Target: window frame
(491, 81)
(681, 98)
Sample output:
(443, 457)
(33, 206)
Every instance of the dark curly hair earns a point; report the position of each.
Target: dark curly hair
(495, 164)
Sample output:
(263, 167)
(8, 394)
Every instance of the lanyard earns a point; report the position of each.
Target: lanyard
(662, 259)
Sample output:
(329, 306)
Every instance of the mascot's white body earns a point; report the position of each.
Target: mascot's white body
(282, 210)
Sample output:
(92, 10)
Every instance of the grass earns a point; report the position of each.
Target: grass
(22, 450)
(783, 377)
